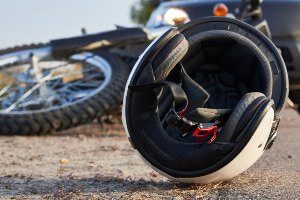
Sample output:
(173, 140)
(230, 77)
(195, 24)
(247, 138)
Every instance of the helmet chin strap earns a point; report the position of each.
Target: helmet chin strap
(201, 123)
(188, 101)
(202, 132)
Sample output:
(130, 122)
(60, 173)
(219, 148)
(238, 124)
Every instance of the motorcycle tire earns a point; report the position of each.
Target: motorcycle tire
(85, 110)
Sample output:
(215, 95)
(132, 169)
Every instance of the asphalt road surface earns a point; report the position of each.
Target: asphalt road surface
(92, 163)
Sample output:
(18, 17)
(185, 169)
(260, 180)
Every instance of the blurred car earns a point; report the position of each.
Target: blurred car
(283, 17)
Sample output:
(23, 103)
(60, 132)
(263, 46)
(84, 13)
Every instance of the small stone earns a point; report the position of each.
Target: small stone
(64, 161)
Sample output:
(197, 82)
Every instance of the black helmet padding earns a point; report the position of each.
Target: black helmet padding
(243, 110)
(206, 115)
(169, 55)
(178, 155)
(222, 35)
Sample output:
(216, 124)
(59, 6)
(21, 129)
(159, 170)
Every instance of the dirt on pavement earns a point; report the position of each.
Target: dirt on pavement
(88, 162)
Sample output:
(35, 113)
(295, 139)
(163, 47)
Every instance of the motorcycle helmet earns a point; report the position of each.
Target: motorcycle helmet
(204, 100)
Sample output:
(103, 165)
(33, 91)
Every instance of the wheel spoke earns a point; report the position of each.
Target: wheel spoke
(59, 87)
(24, 96)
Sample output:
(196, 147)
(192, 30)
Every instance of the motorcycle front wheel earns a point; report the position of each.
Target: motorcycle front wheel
(40, 94)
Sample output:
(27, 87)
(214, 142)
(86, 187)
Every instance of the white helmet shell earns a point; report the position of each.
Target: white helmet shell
(195, 109)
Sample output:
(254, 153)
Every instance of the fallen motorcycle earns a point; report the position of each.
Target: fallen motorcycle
(67, 82)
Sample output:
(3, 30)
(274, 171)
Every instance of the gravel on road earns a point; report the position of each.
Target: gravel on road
(91, 163)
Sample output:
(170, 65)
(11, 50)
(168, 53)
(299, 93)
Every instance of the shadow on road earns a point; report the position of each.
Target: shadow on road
(102, 185)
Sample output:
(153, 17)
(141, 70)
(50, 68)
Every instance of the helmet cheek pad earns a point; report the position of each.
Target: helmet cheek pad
(241, 114)
(247, 128)
(169, 55)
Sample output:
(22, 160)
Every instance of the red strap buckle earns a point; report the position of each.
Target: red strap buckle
(203, 133)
